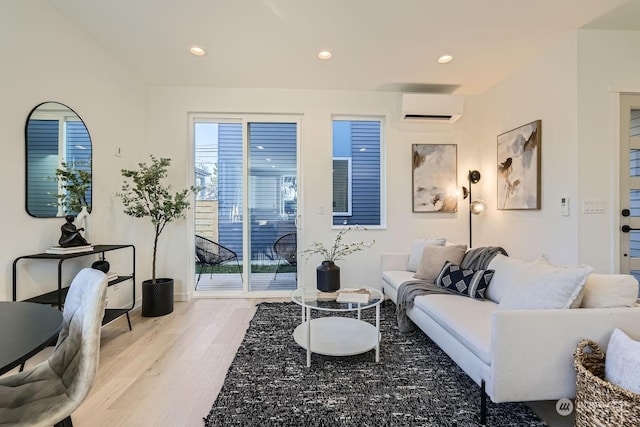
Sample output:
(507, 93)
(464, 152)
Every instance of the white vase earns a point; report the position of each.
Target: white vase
(83, 220)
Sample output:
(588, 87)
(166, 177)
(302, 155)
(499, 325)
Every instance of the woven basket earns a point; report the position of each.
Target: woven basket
(598, 402)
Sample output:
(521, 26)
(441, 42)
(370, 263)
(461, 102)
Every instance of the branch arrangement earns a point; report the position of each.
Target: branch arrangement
(339, 250)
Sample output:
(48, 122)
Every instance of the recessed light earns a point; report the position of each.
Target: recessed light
(324, 54)
(445, 58)
(197, 51)
(259, 147)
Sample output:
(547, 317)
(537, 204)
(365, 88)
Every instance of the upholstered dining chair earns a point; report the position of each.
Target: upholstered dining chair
(47, 394)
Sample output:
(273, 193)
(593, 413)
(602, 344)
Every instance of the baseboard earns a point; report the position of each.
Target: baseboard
(181, 296)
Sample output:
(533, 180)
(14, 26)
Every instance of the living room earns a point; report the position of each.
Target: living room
(572, 85)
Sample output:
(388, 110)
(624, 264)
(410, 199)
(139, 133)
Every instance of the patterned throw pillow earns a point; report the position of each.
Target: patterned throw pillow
(470, 283)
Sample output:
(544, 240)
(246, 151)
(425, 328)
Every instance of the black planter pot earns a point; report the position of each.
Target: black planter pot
(157, 298)
(328, 277)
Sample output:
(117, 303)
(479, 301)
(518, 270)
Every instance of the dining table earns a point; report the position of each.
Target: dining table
(25, 329)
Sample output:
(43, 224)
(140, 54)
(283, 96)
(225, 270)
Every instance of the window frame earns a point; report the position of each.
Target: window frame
(382, 166)
(348, 212)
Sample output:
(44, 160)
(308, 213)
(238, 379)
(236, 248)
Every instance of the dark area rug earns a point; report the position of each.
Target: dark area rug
(414, 384)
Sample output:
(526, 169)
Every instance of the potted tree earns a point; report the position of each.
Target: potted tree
(145, 195)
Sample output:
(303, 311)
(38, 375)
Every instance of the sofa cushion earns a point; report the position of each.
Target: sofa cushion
(610, 290)
(622, 364)
(507, 276)
(544, 285)
(467, 320)
(467, 282)
(395, 278)
(418, 247)
(434, 257)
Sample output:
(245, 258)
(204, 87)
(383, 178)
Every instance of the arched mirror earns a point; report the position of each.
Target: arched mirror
(58, 162)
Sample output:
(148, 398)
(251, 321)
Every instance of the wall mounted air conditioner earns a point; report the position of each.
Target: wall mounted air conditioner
(432, 108)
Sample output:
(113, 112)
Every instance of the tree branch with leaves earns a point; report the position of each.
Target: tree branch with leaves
(73, 185)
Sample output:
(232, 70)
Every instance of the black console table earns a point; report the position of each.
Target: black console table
(57, 296)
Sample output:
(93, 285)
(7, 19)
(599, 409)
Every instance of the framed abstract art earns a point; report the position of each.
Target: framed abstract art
(435, 179)
(518, 174)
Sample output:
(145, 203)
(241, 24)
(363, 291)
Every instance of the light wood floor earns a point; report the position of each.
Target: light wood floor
(168, 370)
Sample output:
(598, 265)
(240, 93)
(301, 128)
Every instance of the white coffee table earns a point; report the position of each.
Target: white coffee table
(332, 335)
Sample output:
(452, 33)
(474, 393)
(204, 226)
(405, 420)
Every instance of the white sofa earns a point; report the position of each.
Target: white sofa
(517, 355)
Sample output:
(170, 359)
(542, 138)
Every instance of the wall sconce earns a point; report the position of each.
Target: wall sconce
(476, 207)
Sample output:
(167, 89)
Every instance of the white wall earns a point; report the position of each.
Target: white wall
(45, 58)
(608, 63)
(169, 136)
(545, 89)
(559, 87)
(574, 89)
(113, 104)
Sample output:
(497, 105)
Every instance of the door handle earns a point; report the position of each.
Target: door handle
(626, 229)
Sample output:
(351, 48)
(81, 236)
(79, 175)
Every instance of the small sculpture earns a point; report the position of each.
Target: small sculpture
(70, 234)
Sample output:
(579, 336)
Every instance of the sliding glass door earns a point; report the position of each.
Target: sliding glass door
(246, 211)
(273, 205)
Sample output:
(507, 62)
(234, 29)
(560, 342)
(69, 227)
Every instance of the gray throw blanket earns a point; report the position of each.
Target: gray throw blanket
(474, 259)
(407, 292)
(479, 258)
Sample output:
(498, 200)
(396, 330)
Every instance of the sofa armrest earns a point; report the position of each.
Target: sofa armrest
(394, 261)
(532, 350)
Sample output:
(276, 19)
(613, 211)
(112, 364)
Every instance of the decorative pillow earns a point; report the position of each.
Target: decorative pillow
(434, 257)
(622, 364)
(610, 290)
(546, 286)
(417, 248)
(507, 275)
(470, 283)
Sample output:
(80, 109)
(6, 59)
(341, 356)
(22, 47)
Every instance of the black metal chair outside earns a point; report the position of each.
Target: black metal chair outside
(286, 247)
(210, 253)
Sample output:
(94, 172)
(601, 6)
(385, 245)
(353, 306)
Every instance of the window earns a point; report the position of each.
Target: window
(247, 167)
(342, 186)
(206, 166)
(357, 177)
(62, 138)
(288, 195)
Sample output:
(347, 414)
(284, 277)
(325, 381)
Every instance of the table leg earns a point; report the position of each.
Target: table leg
(378, 333)
(308, 337)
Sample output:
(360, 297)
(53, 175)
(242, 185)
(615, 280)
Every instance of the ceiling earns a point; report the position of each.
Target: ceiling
(377, 45)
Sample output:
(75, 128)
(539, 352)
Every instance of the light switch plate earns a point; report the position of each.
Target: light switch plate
(593, 206)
